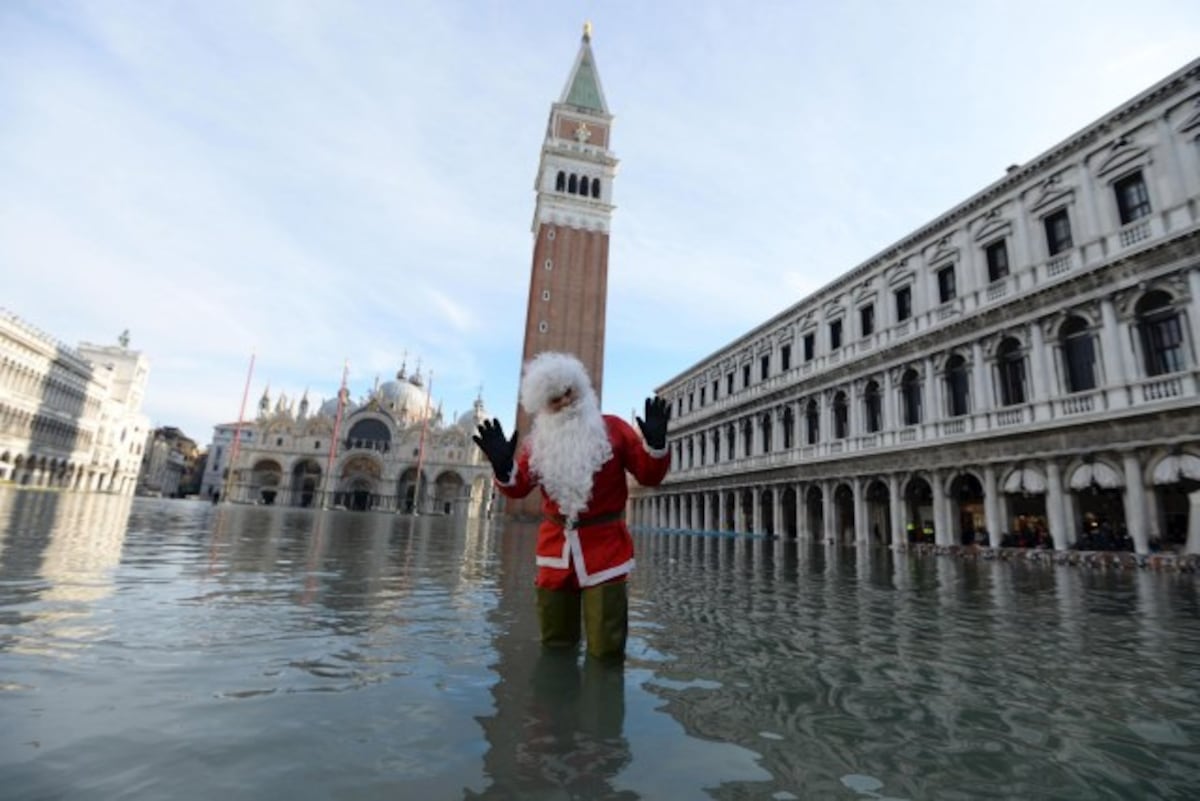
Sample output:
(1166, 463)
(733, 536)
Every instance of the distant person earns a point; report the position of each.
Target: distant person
(578, 457)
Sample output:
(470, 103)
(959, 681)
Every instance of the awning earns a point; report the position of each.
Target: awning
(1177, 467)
(1097, 473)
(1026, 480)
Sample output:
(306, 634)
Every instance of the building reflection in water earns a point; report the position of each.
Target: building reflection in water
(58, 554)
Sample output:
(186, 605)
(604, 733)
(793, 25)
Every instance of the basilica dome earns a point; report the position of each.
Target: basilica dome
(469, 420)
(405, 398)
(329, 407)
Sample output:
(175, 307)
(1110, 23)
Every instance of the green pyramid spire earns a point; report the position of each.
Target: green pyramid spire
(585, 92)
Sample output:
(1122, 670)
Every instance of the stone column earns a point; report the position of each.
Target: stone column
(1056, 505)
(756, 511)
(932, 395)
(1135, 503)
(861, 527)
(829, 522)
(1112, 354)
(991, 505)
(980, 395)
(777, 511)
(1039, 383)
(1193, 308)
(1193, 536)
(896, 507)
(802, 531)
(942, 535)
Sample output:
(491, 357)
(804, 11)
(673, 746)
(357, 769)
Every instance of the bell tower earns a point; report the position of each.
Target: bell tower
(568, 281)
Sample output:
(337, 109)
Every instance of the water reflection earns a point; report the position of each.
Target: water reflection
(57, 557)
(314, 654)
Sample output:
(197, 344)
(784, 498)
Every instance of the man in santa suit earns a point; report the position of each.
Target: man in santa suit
(578, 457)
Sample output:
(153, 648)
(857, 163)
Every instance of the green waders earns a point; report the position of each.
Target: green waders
(605, 616)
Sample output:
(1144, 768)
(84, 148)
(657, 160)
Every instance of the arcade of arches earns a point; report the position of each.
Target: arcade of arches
(1036, 503)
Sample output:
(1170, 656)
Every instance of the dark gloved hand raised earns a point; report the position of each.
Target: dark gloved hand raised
(654, 427)
(499, 450)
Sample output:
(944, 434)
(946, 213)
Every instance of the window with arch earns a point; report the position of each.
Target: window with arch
(716, 436)
(596, 187)
(873, 407)
(841, 416)
(1010, 363)
(812, 419)
(1078, 355)
(731, 437)
(789, 426)
(1161, 333)
(691, 453)
(910, 397)
(767, 431)
(747, 436)
(573, 184)
(703, 451)
(958, 386)
(560, 182)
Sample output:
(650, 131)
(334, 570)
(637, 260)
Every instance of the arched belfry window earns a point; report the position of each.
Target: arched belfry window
(560, 183)
(573, 184)
(596, 187)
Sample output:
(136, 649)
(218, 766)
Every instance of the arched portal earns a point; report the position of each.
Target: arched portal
(918, 511)
(966, 494)
(306, 483)
(787, 505)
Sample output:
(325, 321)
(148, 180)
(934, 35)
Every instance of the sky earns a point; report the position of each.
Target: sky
(324, 183)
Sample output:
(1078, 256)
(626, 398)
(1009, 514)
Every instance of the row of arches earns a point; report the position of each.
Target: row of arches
(358, 485)
(29, 470)
(1032, 505)
(574, 184)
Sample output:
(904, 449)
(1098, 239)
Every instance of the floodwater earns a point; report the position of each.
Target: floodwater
(172, 649)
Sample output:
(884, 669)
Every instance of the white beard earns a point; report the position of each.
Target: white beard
(566, 449)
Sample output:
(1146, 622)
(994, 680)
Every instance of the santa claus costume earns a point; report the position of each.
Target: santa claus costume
(578, 457)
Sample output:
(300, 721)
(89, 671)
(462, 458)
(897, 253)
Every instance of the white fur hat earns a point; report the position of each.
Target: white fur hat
(548, 375)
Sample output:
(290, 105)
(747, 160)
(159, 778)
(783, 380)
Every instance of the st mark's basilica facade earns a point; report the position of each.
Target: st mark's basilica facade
(393, 453)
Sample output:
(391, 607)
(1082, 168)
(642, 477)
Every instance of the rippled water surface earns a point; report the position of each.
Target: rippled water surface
(171, 649)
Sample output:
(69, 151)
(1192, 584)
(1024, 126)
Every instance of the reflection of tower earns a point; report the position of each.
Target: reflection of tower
(568, 282)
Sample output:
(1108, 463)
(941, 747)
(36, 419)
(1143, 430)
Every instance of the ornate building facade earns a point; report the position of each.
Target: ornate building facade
(1024, 364)
(70, 418)
(393, 453)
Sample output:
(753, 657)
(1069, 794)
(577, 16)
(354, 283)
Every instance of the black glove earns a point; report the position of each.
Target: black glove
(499, 451)
(654, 427)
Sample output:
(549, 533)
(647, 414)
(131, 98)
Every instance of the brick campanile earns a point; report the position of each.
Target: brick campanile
(568, 281)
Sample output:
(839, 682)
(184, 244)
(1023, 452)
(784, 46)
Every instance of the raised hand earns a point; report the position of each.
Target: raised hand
(654, 427)
(498, 449)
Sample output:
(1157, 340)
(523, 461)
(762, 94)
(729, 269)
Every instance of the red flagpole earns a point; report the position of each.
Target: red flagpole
(421, 447)
(337, 425)
(237, 430)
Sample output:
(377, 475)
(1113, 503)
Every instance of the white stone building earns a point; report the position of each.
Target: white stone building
(70, 418)
(1027, 361)
(384, 442)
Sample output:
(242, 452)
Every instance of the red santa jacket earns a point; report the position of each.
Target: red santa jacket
(591, 552)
